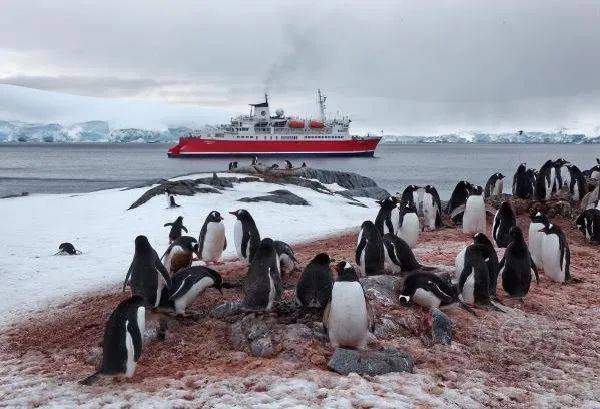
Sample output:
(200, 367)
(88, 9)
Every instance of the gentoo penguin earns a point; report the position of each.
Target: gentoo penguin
(262, 286)
(171, 201)
(67, 249)
(409, 226)
(474, 220)
(176, 228)
(556, 256)
(254, 160)
(459, 196)
(516, 267)
(187, 284)
(230, 166)
(494, 185)
(577, 184)
(180, 253)
(369, 250)
(315, 284)
(522, 186)
(588, 223)
(532, 175)
(388, 215)
(545, 180)
(398, 255)
(432, 208)
(475, 282)
(233, 165)
(148, 274)
(558, 180)
(429, 291)
(411, 194)
(491, 261)
(303, 164)
(347, 318)
(538, 222)
(504, 220)
(288, 164)
(245, 235)
(212, 242)
(123, 339)
(595, 171)
(287, 258)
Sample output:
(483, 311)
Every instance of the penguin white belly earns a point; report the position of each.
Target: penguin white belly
(271, 290)
(467, 294)
(576, 192)
(426, 298)
(429, 211)
(595, 175)
(535, 243)
(130, 363)
(409, 231)
(286, 263)
(238, 232)
(395, 217)
(551, 258)
(186, 299)
(459, 263)
(474, 216)
(550, 184)
(363, 267)
(348, 321)
(214, 241)
(141, 320)
(498, 187)
(360, 233)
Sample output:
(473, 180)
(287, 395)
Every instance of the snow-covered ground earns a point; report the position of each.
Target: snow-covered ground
(100, 225)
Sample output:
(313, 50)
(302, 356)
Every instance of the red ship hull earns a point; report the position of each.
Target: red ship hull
(201, 147)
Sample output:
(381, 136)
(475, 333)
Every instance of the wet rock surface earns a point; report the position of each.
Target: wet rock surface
(278, 196)
(346, 361)
(441, 327)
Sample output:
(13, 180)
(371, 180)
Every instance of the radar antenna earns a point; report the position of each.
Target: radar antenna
(321, 99)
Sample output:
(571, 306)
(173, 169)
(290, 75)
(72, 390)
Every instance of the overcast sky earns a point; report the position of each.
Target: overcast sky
(409, 67)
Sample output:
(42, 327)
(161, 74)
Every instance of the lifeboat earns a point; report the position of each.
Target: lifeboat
(296, 123)
(316, 124)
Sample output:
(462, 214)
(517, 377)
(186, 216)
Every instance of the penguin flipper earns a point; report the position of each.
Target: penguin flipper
(184, 228)
(136, 337)
(168, 224)
(464, 275)
(326, 315)
(127, 276)
(185, 285)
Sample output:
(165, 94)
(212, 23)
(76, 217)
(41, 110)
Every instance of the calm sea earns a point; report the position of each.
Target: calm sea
(74, 168)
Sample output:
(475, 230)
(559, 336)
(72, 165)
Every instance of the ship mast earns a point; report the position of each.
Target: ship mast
(321, 99)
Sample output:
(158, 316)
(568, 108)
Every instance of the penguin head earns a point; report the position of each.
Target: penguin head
(142, 243)
(560, 162)
(475, 190)
(522, 167)
(241, 214)
(550, 229)
(429, 189)
(408, 207)
(405, 300)
(345, 272)
(368, 227)
(214, 217)
(217, 279)
(516, 234)
(179, 219)
(322, 259)
(387, 203)
(499, 175)
(481, 238)
(539, 217)
(505, 206)
(187, 243)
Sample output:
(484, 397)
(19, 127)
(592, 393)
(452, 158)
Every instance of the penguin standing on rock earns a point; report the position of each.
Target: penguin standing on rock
(522, 186)
(545, 181)
(315, 284)
(588, 223)
(577, 184)
(474, 220)
(262, 286)
(491, 262)
(245, 235)
(399, 257)
(516, 267)
(475, 282)
(176, 228)
(180, 254)
(459, 196)
(123, 340)
(409, 226)
(556, 256)
(287, 258)
(494, 185)
(348, 318)
(369, 250)
(432, 208)
(212, 242)
(147, 273)
(503, 221)
(187, 284)
(288, 164)
(388, 216)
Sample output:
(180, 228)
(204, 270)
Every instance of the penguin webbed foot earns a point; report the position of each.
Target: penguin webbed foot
(467, 308)
(573, 280)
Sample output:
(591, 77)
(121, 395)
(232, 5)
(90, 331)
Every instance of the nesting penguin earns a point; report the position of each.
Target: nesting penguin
(176, 228)
(536, 237)
(432, 208)
(287, 258)
(347, 318)
(504, 220)
(288, 164)
(148, 275)
(212, 242)
(262, 286)
(516, 267)
(495, 185)
(369, 250)
(409, 226)
(474, 220)
(315, 284)
(522, 186)
(429, 291)
(545, 181)
(398, 255)
(577, 183)
(180, 254)
(556, 256)
(187, 284)
(245, 235)
(588, 223)
(123, 340)
(459, 196)
(388, 216)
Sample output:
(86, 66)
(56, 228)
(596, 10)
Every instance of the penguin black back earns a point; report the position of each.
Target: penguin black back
(315, 284)
(492, 262)
(369, 251)
(522, 183)
(383, 221)
(262, 285)
(491, 184)
(400, 253)
(504, 220)
(544, 181)
(517, 266)
(440, 287)
(588, 223)
(246, 235)
(459, 196)
(176, 228)
(577, 183)
(475, 264)
(431, 190)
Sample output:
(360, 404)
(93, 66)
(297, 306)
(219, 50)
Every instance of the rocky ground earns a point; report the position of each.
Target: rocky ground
(544, 352)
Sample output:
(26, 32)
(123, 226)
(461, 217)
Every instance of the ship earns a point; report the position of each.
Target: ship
(261, 134)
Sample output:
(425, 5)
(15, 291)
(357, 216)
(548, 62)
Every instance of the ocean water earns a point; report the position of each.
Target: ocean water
(76, 168)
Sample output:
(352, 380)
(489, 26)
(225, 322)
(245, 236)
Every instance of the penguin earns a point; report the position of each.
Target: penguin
(475, 282)
(287, 258)
(230, 166)
(176, 228)
(504, 220)
(180, 253)
(409, 226)
(262, 286)
(595, 170)
(399, 257)
(245, 235)
(303, 164)
(588, 223)
(388, 216)
(577, 183)
(187, 284)
(369, 250)
(516, 267)
(532, 175)
(556, 256)
(538, 222)
(315, 284)
(522, 186)
(171, 201)
(254, 160)
(288, 164)
(67, 249)
(545, 181)
(429, 291)
(459, 196)
(411, 194)
(474, 220)
(148, 275)
(558, 180)
(274, 166)
(347, 318)
(432, 208)
(212, 241)
(491, 262)
(123, 340)
(494, 185)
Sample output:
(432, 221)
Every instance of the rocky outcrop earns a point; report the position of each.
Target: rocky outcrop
(346, 361)
(278, 196)
(441, 327)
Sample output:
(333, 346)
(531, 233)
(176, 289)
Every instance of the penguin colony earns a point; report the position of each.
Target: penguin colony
(171, 283)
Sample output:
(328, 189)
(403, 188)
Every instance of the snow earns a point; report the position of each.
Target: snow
(100, 225)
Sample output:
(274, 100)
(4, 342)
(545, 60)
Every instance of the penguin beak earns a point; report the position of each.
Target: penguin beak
(233, 213)
(405, 300)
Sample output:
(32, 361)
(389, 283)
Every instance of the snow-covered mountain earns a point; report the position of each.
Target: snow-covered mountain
(480, 137)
